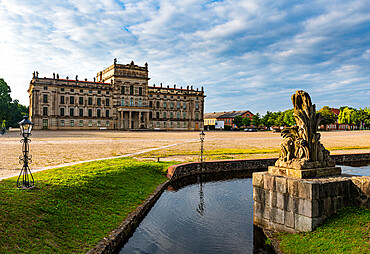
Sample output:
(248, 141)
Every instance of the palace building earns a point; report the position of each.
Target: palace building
(118, 98)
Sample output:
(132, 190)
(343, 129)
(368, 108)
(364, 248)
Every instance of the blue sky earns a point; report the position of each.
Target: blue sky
(248, 55)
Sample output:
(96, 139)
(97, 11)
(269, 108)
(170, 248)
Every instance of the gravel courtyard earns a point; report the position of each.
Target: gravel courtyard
(51, 148)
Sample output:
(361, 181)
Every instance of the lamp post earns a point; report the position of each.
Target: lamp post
(201, 136)
(27, 178)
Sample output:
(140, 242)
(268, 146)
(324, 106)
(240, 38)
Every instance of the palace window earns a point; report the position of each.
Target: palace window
(90, 91)
(150, 115)
(157, 115)
(131, 102)
(164, 115)
(178, 105)
(71, 111)
(72, 90)
(196, 105)
(90, 123)
(90, 112)
(81, 123)
(171, 105)
(81, 112)
(171, 115)
(184, 105)
(45, 98)
(45, 88)
(62, 89)
(98, 101)
(107, 102)
(171, 124)
(178, 115)
(45, 111)
(61, 111)
(184, 115)
(99, 123)
(164, 104)
(89, 101)
(81, 100)
(71, 123)
(98, 113)
(140, 103)
(140, 91)
(122, 90)
(122, 102)
(178, 124)
(81, 90)
(158, 125)
(107, 123)
(62, 123)
(72, 100)
(131, 90)
(158, 104)
(164, 124)
(150, 104)
(107, 113)
(196, 116)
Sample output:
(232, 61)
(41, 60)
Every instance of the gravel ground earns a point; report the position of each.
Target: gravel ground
(51, 148)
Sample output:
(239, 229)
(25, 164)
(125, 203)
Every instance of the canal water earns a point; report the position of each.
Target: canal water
(205, 215)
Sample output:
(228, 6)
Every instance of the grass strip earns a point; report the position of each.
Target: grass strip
(73, 208)
(348, 231)
(230, 151)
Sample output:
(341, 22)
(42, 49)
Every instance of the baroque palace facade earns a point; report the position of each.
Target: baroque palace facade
(118, 98)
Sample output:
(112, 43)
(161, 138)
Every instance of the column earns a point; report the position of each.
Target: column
(129, 119)
(119, 119)
(139, 119)
(147, 120)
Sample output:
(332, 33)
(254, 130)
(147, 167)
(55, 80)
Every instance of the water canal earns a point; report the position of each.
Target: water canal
(205, 214)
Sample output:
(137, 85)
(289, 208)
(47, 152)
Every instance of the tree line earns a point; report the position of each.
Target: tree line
(348, 115)
(11, 111)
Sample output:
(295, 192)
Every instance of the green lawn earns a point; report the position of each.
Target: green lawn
(73, 208)
(348, 231)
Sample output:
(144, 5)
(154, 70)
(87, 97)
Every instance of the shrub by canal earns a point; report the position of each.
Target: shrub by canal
(73, 208)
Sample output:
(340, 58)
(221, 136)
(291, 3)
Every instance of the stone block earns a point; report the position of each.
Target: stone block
(257, 179)
(273, 198)
(281, 184)
(308, 208)
(289, 219)
(267, 198)
(266, 213)
(302, 223)
(280, 200)
(304, 190)
(277, 215)
(269, 182)
(290, 203)
(259, 195)
(292, 187)
(328, 207)
(258, 210)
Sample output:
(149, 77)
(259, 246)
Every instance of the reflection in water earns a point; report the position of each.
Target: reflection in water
(201, 205)
(203, 217)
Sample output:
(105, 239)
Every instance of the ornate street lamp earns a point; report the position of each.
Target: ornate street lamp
(27, 178)
(201, 136)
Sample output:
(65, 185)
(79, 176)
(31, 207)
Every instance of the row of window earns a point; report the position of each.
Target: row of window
(170, 125)
(171, 105)
(81, 123)
(171, 96)
(80, 112)
(164, 114)
(81, 90)
(131, 90)
(132, 104)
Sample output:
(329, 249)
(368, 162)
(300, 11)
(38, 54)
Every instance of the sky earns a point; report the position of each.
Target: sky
(248, 55)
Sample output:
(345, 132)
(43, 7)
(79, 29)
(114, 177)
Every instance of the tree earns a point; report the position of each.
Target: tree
(268, 119)
(10, 111)
(288, 117)
(246, 121)
(256, 120)
(238, 121)
(345, 115)
(328, 115)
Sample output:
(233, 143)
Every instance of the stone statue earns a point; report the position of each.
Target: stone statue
(301, 147)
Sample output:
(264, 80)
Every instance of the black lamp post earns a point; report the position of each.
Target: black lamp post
(201, 136)
(27, 178)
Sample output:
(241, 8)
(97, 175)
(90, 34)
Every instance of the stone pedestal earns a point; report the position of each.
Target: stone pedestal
(287, 204)
(304, 173)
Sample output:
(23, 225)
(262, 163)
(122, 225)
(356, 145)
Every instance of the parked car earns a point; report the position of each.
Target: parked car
(276, 130)
(250, 129)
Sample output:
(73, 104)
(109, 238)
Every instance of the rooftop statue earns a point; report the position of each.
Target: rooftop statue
(301, 147)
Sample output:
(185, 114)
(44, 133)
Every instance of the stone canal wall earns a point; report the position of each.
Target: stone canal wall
(186, 169)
